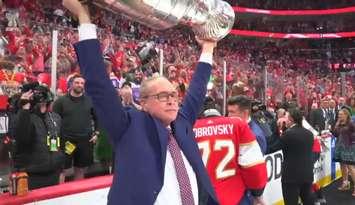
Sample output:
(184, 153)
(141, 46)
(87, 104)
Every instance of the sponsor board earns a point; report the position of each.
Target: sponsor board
(325, 172)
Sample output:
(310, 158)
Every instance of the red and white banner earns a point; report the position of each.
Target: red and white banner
(291, 35)
(239, 9)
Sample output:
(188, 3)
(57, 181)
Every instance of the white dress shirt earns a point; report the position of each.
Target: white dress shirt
(170, 192)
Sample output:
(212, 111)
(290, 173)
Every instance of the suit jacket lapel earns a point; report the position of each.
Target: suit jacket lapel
(185, 145)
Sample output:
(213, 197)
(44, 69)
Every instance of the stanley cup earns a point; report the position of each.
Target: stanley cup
(209, 19)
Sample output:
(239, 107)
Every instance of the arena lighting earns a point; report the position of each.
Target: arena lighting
(239, 9)
(291, 35)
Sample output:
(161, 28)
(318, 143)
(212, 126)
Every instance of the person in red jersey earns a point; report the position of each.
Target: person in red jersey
(232, 157)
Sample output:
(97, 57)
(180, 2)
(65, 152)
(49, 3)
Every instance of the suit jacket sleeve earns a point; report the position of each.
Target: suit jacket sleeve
(286, 138)
(195, 95)
(98, 86)
(312, 119)
(273, 143)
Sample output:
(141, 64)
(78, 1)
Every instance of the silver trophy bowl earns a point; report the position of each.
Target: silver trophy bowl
(209, 19)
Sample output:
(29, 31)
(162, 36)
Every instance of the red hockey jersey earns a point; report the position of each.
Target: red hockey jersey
(232, 156)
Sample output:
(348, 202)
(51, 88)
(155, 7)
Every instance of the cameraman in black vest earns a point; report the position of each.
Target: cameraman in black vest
(37, 136)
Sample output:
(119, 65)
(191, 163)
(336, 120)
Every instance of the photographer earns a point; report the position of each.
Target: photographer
(37, 135)
(262, 116)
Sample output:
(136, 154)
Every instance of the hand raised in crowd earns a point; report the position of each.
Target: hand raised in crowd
(25, 99)
(206, 45)
(340, 122)
(78, 10)
(337, 124)
(126, 95)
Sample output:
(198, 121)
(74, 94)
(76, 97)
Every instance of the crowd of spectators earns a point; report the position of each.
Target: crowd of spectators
(309, 25)
(26, 33)
(278, 72)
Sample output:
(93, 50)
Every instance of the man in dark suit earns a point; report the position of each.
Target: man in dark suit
(332, 113)
(157, 160)
(319, 117)
(297, 167)
(341, 103)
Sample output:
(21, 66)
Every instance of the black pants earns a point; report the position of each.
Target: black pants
(39, 180)
(291, 192)
(82, 156)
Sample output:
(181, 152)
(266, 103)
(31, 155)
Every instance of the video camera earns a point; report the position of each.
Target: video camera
(259, 112)
(146, 51)
(262, 116)
(41, 94)
(257, 106)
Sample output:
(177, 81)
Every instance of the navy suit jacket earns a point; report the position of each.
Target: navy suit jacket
(259, 135)
(139, 140)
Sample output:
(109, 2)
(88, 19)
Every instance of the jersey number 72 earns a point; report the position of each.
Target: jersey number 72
(221, 170)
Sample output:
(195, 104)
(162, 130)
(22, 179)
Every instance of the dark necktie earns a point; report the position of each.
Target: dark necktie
(328, 115)
(332, 115)
(181, 172)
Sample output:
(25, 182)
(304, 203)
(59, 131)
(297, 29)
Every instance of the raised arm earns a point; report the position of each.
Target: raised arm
(196, 93)
(108, 108)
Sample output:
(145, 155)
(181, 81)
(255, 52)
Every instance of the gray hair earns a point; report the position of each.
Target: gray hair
(146, 84)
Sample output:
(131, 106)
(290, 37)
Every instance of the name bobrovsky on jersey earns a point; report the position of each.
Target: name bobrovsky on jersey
(224, 129)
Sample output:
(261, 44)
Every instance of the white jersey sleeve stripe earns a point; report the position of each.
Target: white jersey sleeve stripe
(250, 154)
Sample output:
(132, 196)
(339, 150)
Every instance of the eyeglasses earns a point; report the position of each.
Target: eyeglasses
(164, 96)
